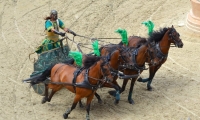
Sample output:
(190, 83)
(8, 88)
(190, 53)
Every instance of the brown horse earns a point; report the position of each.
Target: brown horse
(124, 61)
(162, 40)
(64, 75)
(83, 82)
(142, 52)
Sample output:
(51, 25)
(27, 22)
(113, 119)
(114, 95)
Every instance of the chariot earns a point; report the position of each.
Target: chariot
(47, 59)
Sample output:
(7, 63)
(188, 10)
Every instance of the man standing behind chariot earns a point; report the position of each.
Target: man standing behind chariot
(52, 25)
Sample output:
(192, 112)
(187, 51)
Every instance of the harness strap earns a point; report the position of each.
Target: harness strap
(159, 53)
(135, 53)
(76, 73)
(86, 84)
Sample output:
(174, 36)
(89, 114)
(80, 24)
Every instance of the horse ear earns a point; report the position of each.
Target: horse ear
(172, 26)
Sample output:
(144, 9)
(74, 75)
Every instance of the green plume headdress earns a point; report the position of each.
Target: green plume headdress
(95, 46)
(150, 26)
(77, 56)
(123, 34)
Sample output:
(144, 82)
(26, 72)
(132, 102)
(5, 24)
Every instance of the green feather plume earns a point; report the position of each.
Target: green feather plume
(150, 26)
(123, 34)
(95, 46)
(77, 56)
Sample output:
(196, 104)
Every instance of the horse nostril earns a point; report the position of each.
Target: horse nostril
(180, 46)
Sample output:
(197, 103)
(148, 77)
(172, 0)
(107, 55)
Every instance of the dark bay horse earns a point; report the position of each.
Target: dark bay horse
(162, 39)
(123, 61)
(139, 54)
(142, 52)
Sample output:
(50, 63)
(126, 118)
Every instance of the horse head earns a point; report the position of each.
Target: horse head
(174, 37)
(123, 60)
(100, 66)
(126, 57)
(109, 66)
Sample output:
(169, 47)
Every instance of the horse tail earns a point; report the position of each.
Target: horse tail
(44, 75)
(39, 78)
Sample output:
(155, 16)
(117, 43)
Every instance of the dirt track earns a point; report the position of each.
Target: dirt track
(176, 86)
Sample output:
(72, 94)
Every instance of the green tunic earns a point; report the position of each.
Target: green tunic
(50, 41)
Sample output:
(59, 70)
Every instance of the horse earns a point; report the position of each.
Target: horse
(162, 39)
(124, 61)
(81, 81)
(142, 52)
(139, 54)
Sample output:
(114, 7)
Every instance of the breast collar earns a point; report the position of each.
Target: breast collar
(86, 83)
(159, 53)
(136, 66)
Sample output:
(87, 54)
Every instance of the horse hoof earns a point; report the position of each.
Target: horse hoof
(43, 100)
(113, 93)
(149, 88)
(116, 102)
(139, 79)
(87, 117)
(100, 101)
(65, 116)
(131, 101)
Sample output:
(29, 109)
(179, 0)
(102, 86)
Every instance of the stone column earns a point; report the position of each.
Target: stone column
(193, 17)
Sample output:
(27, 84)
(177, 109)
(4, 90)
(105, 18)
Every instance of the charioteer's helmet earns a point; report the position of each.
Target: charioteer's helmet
(54, 14)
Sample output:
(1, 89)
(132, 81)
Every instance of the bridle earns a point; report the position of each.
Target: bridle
(113, 72)
(173, 37)
(123, 57)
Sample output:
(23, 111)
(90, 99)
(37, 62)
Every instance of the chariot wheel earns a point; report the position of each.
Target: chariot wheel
(39, 88)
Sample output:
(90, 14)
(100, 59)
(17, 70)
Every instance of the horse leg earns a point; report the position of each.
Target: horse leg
(115, 93)
(116, 86)
(98, 97)
(45, 98)
(125, 81)
(151, 75)
(88, 111)
(80, 104)
(152, 72)
(54, 89)
(89, 99)
(143, 80)
(51, 95)
(131, 91)
(76, 100)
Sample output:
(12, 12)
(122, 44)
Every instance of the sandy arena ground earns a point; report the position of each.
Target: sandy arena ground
(176, 86)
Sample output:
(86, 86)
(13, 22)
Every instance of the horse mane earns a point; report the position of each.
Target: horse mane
(90, 60)
(157, 36)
